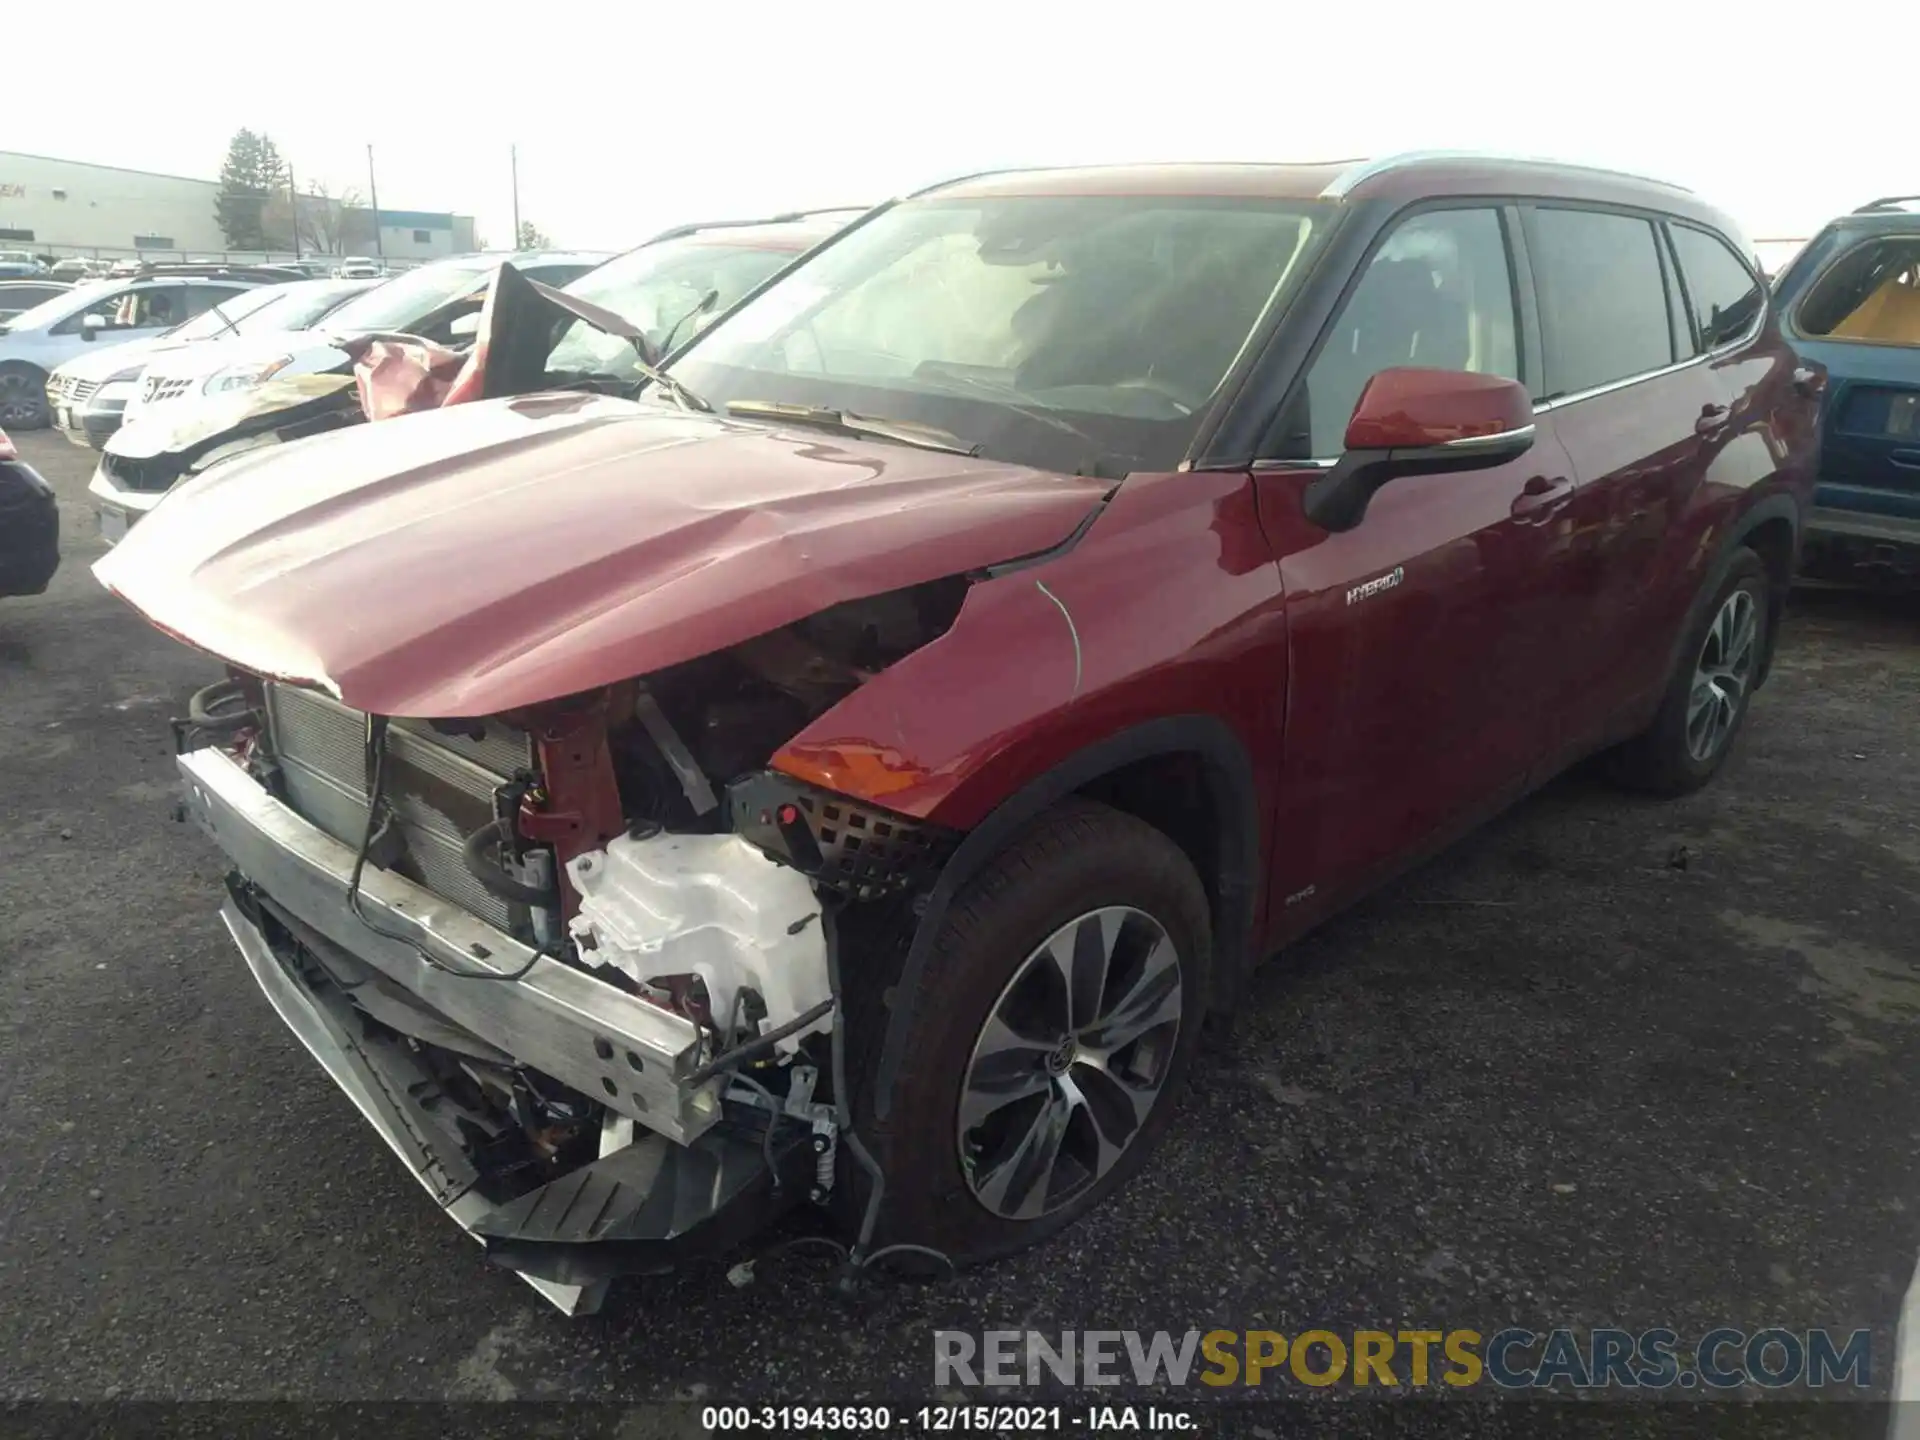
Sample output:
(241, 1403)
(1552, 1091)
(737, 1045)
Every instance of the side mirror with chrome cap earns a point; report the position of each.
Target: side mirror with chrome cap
(1420, 422)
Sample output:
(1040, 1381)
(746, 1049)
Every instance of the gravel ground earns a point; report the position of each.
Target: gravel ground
(1610, 1062)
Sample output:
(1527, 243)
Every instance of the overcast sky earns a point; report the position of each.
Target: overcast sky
(630, 118)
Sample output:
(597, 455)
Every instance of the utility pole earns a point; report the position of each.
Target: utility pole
(513, 160)
(373, 195)
(293, 199)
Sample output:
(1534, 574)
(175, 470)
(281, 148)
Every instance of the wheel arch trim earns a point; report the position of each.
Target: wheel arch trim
(1780, 505)
(1228, 773)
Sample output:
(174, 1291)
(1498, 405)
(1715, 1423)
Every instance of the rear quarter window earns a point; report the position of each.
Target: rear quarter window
(1870, 295)
(1603, 298)
(1725, 295)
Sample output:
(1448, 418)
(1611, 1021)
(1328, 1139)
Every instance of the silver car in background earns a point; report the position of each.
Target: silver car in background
(89, 394)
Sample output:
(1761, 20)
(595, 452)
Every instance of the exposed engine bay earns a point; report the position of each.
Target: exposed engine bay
(721, 716)
(566, 936)
(634, 839)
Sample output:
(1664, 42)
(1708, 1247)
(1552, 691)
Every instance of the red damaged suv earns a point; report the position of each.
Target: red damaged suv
(849, 766)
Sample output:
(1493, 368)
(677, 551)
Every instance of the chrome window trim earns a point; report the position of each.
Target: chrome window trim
(1466, 444)
(1496, 441)
(1270, 466)
(1542, 407)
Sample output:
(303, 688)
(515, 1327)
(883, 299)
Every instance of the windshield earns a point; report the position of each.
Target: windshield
(1060, 332)
(235, 308)
(51, 312)
(15, 257)
(655, 288)
(304, 304)
(412, 297)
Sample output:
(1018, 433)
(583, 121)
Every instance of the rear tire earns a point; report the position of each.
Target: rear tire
(23, 398)
(1710, 691)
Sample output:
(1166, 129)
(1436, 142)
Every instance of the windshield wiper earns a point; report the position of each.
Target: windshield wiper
(907, 432)
(226, 320)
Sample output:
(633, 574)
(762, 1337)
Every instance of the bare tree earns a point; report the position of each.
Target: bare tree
(323, 217)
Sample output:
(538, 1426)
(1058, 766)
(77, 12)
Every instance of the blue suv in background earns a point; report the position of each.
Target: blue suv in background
(1850, 302)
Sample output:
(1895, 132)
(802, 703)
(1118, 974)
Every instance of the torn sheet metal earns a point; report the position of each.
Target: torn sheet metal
(401, 375)
(520, 322)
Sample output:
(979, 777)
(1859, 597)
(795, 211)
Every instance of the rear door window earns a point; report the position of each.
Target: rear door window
(1438, 293)
(1603, 298)
(24, 297)
(1870, 295)
(152, 307)
(1725, 295)
(146, 307)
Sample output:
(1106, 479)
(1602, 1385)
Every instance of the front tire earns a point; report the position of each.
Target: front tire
(1053, 1028)
(1710, 692)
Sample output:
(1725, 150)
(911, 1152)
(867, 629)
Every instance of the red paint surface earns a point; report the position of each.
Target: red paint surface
(1533, 618)
(1391, 684)
(489, 556)
(578, 808)
(1408, 408)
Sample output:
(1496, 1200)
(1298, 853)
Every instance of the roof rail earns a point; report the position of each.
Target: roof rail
(207, 268)
(787, 218)
(792, 215)
(1887, 202)
(1366, 170)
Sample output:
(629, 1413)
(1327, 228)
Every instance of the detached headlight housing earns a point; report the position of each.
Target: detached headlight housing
(245, 377)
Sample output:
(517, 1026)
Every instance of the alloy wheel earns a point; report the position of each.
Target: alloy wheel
(21, 399)
(1070, 1062)
(1722, 675)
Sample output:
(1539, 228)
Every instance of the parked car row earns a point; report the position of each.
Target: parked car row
(38, 339)
(17, 296)
(733, 731)
(196, 403)
(90, 394)
(21, 264)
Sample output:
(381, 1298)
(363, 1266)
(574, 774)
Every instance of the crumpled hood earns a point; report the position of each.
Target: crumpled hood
(487, 556)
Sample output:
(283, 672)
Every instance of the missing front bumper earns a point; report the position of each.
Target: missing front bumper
(674, 1184)
(640, 1209)
(599, 1040)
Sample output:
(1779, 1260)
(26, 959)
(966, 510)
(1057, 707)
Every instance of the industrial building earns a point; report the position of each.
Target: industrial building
(70, 207)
